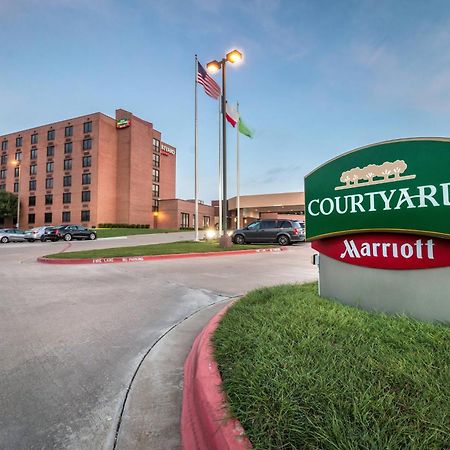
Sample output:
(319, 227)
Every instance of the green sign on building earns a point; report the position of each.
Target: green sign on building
(394, 186)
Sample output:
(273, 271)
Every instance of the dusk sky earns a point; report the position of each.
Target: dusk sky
(319, 77)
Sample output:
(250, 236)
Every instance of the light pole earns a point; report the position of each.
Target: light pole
(17, 164)
(214, 66)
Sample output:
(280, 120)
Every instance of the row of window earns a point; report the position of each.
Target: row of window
(51, 135)
(185, 220)
(66, 217)
(67, 198)
(49, 167)
(67, 181)
(68, 148)
(156, 160)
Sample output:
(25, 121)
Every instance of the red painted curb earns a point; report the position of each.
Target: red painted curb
(129, 259)
(205, 422)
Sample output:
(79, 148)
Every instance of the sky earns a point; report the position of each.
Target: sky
(318, 78)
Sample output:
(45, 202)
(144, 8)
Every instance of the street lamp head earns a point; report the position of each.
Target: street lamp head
(15, 163)
(234, 56)
(213, 66)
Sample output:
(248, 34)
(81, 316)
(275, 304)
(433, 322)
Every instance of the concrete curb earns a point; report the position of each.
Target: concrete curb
(205, 422)
(130, 259)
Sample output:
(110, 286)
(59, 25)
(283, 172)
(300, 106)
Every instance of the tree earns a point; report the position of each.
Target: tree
(8, 204)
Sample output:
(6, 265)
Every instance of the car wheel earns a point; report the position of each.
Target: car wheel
(283, 240)
(30, 240)
(68, 237)
(239, 239)
(92, 236)
(4, 240)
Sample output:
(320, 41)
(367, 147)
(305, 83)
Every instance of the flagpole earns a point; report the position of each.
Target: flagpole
(238, 174)
(196, 151)
(220, 172)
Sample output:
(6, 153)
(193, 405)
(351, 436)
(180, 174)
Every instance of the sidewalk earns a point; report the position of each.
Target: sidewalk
(151, 418)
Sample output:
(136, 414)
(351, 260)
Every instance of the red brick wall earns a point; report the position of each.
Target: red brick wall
(170, 213)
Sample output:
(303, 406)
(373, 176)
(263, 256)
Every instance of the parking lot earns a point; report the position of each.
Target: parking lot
(72, 335)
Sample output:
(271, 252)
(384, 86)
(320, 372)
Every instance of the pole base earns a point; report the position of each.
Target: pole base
(225, 241)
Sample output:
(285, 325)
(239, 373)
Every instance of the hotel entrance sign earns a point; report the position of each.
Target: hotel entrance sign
(398, 186)
(380, 218)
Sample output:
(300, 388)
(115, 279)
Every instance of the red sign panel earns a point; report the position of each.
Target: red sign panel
(387, 251)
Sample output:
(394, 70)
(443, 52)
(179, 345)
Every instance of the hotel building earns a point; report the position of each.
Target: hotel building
(92, 170)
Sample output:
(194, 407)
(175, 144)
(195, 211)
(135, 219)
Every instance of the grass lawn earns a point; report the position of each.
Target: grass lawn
(155, 249)
(303, 372)
(115, 232)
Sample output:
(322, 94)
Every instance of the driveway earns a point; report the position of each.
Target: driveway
(72, 336)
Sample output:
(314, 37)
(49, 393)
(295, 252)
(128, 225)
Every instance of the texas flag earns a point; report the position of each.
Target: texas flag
(232, 115)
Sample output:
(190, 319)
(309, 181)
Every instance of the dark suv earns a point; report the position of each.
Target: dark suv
(69, 232)
(284, 232)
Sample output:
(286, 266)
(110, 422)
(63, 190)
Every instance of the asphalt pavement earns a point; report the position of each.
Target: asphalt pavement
(72, 337)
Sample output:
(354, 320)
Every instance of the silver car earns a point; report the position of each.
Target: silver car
(35, 234)
(11, 235)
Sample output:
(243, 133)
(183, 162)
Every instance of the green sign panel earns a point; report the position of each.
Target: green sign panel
(395, 186)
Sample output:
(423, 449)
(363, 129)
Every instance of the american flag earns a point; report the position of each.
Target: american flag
(211, 87)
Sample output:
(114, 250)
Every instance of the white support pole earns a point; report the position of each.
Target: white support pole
(196, 152)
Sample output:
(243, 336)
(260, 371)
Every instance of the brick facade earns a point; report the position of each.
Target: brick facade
(116, 166)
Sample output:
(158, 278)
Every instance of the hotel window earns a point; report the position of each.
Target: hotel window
(184, 220)
(155, 190)
(67, 197)
(156, 145)
(86, 178)
(155, 205)
(87, 144)
(49, 199)
(155, 175)
(33, 169)
(50, 150)
(86, 161)
(16, 187)
(156, 160)
(87, 127)
(206, 221)
(16, 171)
(31, 218)
(4, 145)
(32, 200)
(68, 147)
(68, 131)
(67, 164)
(4, 159)
(33, 153)
(86, 196)
(85, 216)
(49, 167)
(48, 183)
(34, 138)
(2, 187)
(18, 156)
(50, 135)
(19, 142)
(48, 218)
(67, 180)
(2, 174)
(32, 185)
(66, 216)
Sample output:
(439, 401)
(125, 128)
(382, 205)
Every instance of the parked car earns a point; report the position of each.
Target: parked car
(284, 232)
(49, 235)
(35, 234)
(11, 235)
(69, 232)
